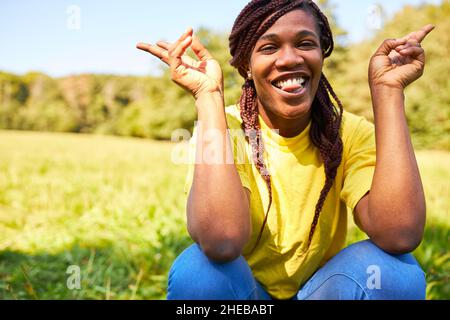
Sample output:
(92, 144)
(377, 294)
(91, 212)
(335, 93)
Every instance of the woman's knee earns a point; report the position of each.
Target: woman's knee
(193, 276)
(386, 276)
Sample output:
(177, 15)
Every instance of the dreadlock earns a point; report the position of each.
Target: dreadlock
(325, 118)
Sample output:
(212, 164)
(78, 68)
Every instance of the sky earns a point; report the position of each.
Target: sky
(62, 37)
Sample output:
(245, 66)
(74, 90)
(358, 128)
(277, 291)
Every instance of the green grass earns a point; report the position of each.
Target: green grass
(115, 208)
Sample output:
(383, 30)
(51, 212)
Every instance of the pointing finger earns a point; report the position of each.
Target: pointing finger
(422, 33)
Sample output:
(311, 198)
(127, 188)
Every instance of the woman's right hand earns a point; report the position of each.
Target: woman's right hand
(199, 77)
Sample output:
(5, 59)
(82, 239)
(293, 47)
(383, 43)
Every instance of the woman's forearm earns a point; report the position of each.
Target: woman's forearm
(396, 202)
(218, 210)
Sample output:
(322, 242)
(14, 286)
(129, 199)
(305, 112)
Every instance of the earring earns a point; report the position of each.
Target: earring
(249, 75)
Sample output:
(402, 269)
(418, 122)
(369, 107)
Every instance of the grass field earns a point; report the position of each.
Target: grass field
(115, 208)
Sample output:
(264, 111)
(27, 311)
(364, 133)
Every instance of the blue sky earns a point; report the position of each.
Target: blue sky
(46, 35)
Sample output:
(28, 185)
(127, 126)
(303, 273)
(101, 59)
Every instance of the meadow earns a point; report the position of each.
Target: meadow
(115, 208)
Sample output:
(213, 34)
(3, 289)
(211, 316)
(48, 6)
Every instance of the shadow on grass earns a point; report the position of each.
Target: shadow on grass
(111, 271)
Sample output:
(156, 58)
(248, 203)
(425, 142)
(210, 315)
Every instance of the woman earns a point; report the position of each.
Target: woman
(275, 227)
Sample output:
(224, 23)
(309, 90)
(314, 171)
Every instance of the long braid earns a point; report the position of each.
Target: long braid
(252, 130)
(326, 119)
(325, 136)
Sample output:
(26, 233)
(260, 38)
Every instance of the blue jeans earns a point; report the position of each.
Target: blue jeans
(361, 271)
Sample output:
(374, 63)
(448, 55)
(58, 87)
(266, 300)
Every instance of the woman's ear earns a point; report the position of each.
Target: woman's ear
(246, 71)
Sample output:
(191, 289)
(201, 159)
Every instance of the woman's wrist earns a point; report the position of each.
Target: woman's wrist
(210, 100)
(208, 95)
(383, 89)
(387, 96)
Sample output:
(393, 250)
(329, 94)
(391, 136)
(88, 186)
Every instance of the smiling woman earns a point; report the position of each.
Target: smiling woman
(274, 227)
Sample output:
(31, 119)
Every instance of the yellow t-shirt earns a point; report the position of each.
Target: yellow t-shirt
(281, 262)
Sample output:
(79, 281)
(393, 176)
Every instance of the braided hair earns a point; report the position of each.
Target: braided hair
(253, 21)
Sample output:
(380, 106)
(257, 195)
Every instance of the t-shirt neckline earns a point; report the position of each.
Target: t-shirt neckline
(274, 137)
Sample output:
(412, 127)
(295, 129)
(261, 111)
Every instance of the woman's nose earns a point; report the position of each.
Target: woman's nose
(288, 58)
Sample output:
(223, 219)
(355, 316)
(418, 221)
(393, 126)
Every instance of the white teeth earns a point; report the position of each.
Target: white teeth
(300, 81)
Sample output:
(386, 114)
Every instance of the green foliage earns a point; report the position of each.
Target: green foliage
(33, 102)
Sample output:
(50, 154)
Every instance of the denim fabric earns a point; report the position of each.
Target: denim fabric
(359, 272)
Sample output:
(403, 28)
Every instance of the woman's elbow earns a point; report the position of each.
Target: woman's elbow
(218, 242)
(222, 251)
(224, 246)
(401, 246)
(400, 241)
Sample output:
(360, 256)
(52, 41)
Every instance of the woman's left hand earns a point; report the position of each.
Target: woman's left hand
(399, 62)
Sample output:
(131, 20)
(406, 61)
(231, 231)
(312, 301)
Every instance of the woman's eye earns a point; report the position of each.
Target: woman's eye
(268, 48)
(307, 44)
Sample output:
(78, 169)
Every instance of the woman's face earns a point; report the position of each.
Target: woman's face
(286, 65)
